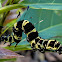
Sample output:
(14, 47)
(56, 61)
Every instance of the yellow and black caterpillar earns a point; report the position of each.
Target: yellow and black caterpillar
(37, 43)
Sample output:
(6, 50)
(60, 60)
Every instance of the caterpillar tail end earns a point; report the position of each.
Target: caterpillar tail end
(60, 50)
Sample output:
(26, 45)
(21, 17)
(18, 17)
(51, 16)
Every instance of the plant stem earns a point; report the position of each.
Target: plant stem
(4, 17)
(10, 7)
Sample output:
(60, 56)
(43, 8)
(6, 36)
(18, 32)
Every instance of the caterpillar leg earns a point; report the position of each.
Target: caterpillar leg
(42, 50)
(16, 44)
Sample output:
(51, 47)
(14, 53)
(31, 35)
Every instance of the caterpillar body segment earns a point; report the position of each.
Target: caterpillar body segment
(27, 26)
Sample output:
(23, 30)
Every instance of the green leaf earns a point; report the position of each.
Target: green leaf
(2, 60)
(49, 6)
(19, 47)
(42, 1)
(43, 4)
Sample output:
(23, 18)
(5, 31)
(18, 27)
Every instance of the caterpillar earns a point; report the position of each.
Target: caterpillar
(37, 43)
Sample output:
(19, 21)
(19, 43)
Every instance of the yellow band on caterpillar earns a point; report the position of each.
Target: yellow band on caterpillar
(34, 30)
(15, 26)
(24, 23)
